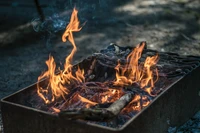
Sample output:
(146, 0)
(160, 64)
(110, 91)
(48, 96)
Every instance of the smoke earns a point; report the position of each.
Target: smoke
(95, 12)
(52, 24)
(92, 11)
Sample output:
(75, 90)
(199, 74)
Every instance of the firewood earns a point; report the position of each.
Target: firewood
(99, 114)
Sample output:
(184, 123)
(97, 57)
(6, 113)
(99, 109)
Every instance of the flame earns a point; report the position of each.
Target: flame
(145, 101)
(56, 87)
(85, 100)
(134, 105)
(147, 79)
(73, 26)
(111, 95)
(137, 103)
(135, 72)
(56, 110)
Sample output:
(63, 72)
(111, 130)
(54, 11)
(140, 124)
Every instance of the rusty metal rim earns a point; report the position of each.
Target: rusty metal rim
(145, 108)
(88, 123)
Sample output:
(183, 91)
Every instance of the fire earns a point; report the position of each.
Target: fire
(56, 110)
(73, 26)
(137, 103)
(85, 100)
(57, 84)
(111, 95)
(135, 72)
(60, 82)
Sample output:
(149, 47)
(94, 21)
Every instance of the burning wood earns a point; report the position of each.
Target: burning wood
(117, 82)
(98, 114)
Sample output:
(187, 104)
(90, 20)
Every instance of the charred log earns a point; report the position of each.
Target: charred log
(98, 114)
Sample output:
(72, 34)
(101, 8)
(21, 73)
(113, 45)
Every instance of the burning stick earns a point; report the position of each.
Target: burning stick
(99, 114)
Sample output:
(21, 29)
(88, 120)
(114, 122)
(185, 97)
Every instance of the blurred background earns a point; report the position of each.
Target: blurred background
(31, 30)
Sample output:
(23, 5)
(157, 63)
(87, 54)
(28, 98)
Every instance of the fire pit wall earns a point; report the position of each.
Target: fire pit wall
(171, 108)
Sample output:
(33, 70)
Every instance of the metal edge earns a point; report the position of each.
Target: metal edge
(152, 102)
(54, 115)
(86, 122)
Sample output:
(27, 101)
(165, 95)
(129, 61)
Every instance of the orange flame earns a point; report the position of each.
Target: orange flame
(56, 87)
(73, 26)
(137, 103)
(85, 100)
(56, 110)
(133, 71)
(111, 95)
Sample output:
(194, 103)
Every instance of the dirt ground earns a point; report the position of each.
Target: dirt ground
(166, 25)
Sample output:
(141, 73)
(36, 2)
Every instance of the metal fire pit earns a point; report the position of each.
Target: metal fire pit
(171, 108)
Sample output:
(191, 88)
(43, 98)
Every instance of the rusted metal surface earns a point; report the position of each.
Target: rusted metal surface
(171, 108)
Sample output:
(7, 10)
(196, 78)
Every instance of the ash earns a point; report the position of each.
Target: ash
(167, 25)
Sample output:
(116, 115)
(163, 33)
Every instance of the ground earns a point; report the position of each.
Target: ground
(166, 25)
